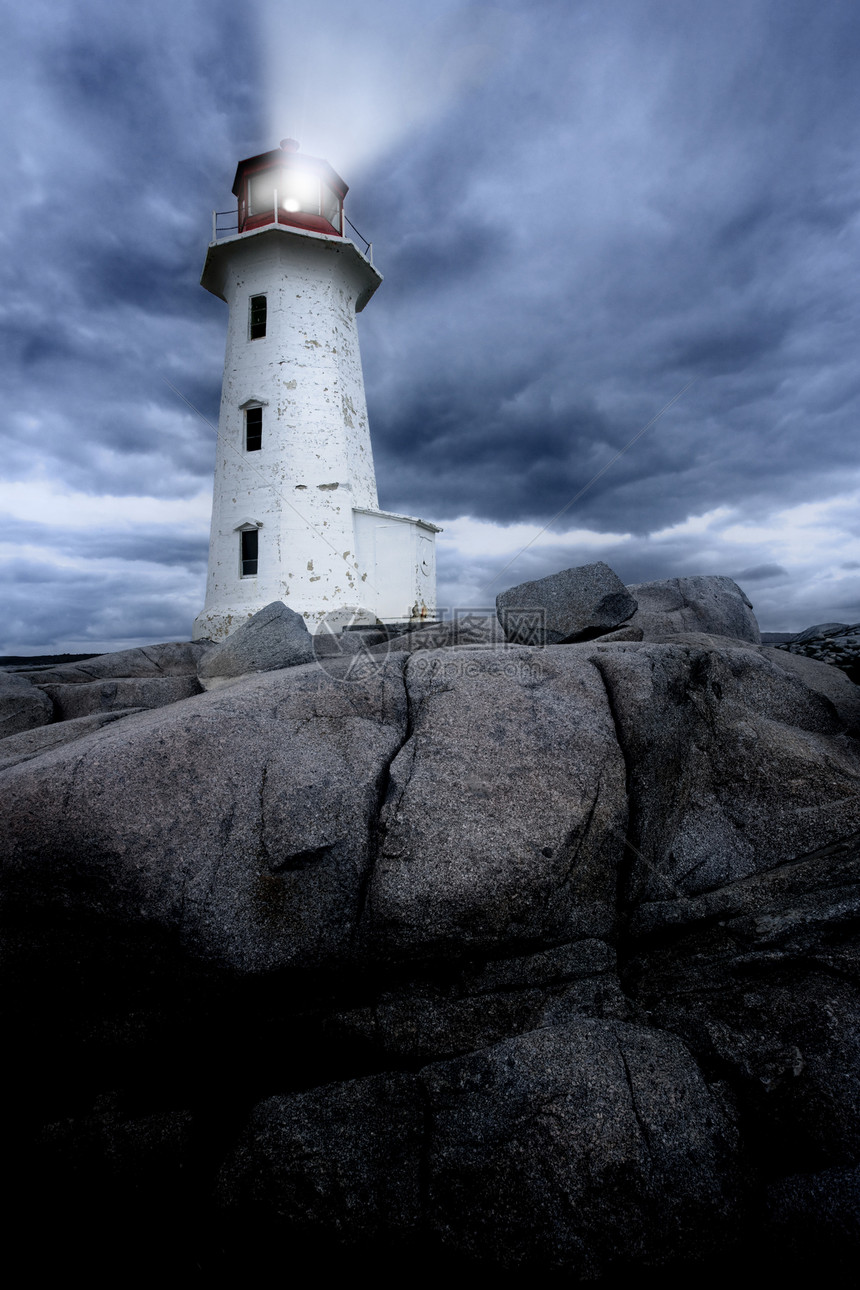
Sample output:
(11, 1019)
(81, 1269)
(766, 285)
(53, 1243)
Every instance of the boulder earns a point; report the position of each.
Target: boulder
(74, 700)
(174, 658)
(580, 1147)
(273, 638)
(525, 728)
(32, 743)
(760, 980)
(734, 766)
(342, 1160)
(572, 1148)
(22, 706)
(715, 605)
(821, 631)
(574, 605)
(238, 822)
(816, 675)
(843, 693)
(500, 942)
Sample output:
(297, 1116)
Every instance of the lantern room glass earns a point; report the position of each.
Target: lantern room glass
(299, 192)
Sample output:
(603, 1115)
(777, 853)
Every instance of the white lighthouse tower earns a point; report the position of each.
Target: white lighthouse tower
(295, 515)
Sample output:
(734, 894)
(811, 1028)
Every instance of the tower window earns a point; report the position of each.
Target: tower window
(257, 318)
(248, 548)
(253, 429)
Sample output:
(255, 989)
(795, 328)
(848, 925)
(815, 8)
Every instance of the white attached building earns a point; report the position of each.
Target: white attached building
(295, 513)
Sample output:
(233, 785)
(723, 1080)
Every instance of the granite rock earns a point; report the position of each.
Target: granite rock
(33, 743)
(830, 643)
(340, 1160)
(580, 1147)
(546, 959)
(275, 637)
(832, 682)
(820, 631)
(571, 1147)
(573, 605)
(760, 979)
(734, 765)
(466, 630)
(815, 674)
(484, 1001)
(173, 658)
(72, 701)
(22, 706)
(531, 729)
(625, 633)
(711, 604)
(239, 822)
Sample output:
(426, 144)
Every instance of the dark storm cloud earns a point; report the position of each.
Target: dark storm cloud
(88, 611)
(578, 208)
(761, 573)
(687, 214)
(147, 544)
(119, 162)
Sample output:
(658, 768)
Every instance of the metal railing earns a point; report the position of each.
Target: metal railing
(226, 230)
(368, 246)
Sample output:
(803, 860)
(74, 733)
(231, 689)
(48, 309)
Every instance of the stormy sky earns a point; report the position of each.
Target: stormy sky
(582, 210)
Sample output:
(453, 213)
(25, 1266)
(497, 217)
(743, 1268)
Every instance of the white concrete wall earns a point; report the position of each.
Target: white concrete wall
(316, 463)
(399, 555)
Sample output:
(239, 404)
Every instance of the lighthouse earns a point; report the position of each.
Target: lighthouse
(295, 513)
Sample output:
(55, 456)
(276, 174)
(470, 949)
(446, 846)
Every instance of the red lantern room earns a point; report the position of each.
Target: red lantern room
(281, 187)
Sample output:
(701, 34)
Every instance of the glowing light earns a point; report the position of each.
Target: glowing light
(301, 191)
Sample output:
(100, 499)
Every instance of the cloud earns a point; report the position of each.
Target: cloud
(577, 209)
(478, 560)
(762, 573)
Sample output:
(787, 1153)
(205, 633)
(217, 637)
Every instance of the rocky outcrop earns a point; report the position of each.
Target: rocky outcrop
(576, 604)
(833, 643)
(147, 677)
(732, 765)
(535, 957)
(273, 638)
(714, 605)
(32, 743)
(343, 1158)
(467, 630)
(823, 631)
(536, 1134)
(830, 682)
(385, 1155)
(247, 835)
(833, 682)
(173, 658)
(71, 701)
(22, 706)
(455, 875)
